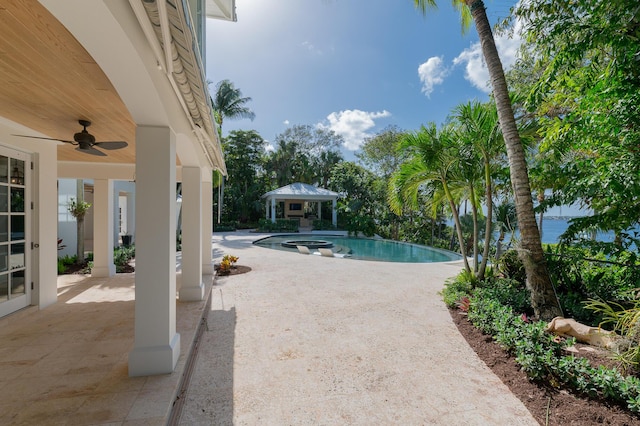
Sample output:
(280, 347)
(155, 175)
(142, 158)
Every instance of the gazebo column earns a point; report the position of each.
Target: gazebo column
(273, 210)
(334, 214)
(266, 209)
(319, 210)
(192, 288)
(156, 346)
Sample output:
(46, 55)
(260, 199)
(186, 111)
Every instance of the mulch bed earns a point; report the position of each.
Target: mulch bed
(235, 270)
(548, 406)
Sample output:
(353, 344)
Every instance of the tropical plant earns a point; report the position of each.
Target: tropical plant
(480, 129)
(587, 98)
(433, 165)
(506, 221)
(358, 202)
(78, 209)
(544, 300)
(228, 102)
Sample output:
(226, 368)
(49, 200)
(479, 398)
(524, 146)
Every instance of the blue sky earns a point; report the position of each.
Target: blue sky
(352, 66)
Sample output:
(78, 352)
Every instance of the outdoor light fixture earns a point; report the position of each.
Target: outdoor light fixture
(17, 177)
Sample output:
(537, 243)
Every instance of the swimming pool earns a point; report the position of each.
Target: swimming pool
(364, 248)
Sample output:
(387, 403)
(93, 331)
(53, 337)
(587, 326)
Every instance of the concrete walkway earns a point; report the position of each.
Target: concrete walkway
(308, 340)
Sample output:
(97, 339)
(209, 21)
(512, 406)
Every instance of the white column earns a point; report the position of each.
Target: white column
(334, 214)
(131, 215)
(156, 344)
(103, 229)
(192, 287)
(266, 209)
(273, 210)
(319, 210)
(207, 227)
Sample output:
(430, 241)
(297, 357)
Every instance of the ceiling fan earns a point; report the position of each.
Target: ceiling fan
(86, 142)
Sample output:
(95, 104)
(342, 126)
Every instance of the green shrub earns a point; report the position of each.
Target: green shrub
(62, 268)
(580, 274)
(322, 224)
(455, 289)
(280, 225)
(511, 266)
(122, 256)
(508, 292)
(541, 356)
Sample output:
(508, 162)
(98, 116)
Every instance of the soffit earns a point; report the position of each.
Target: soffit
(221, 9)
(49, 82)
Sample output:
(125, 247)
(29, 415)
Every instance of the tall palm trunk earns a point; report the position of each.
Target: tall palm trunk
(543, 298)
(487, 231)
(456, 221)
(474, 215)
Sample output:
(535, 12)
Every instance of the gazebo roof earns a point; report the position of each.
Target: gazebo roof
(301, 191)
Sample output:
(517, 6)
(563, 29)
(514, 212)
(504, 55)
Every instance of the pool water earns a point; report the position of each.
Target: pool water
(367, 248)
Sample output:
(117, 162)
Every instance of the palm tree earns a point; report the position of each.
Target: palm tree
(227, 103)
(480, 129)
(543, 298)
(506, 222)
(432, 163)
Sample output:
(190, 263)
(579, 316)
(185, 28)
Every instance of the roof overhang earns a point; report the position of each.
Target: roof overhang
(301, 191)
(222, 9)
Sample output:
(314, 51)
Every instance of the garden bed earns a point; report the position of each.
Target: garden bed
(544, 402)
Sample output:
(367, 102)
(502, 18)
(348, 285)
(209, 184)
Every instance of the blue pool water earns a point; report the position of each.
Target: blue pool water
(367, 248)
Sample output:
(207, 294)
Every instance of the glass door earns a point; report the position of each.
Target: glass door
(15, 212)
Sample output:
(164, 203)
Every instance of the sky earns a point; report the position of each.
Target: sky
(351, 66)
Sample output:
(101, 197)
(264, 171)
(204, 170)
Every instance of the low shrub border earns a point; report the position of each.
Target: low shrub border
(540, 354)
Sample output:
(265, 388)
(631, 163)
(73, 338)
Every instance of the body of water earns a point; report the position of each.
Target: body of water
(553, 227)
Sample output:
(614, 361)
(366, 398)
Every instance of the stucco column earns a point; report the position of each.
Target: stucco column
(334, 213)
(319, 210)
(207, 227)
(192, 287)
(131, 216)
(266, 209)
(103, 229)
(156, 344)
(273, 210)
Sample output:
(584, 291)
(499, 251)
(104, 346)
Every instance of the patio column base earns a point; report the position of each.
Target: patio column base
(103, 271)
(192, 293)
(148, 361)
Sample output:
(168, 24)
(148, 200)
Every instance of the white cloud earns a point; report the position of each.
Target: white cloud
(285, 122)
(268, 147)
(432, 73)
(353, 125)
(475, 69)
(312, 48)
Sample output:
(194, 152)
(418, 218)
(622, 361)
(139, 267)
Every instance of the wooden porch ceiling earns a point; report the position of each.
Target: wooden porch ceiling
(49, 82)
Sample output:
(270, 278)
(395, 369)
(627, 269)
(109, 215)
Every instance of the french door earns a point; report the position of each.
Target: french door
(15, 235)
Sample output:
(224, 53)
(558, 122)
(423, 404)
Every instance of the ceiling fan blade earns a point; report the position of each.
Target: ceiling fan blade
(48, 139)
(91, 151)
(112, 144)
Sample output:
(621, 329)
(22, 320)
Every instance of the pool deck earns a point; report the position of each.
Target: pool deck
(298, 340)
(310, 340)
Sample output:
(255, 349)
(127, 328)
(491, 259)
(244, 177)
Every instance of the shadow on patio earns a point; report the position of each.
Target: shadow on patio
(68, 363)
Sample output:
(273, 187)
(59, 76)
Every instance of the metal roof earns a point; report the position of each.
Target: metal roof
(301, 191)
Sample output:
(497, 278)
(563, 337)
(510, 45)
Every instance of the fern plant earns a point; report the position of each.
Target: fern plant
(625, 322)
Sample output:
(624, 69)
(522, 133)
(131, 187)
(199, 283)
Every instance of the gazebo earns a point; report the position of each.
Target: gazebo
(294, 196)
